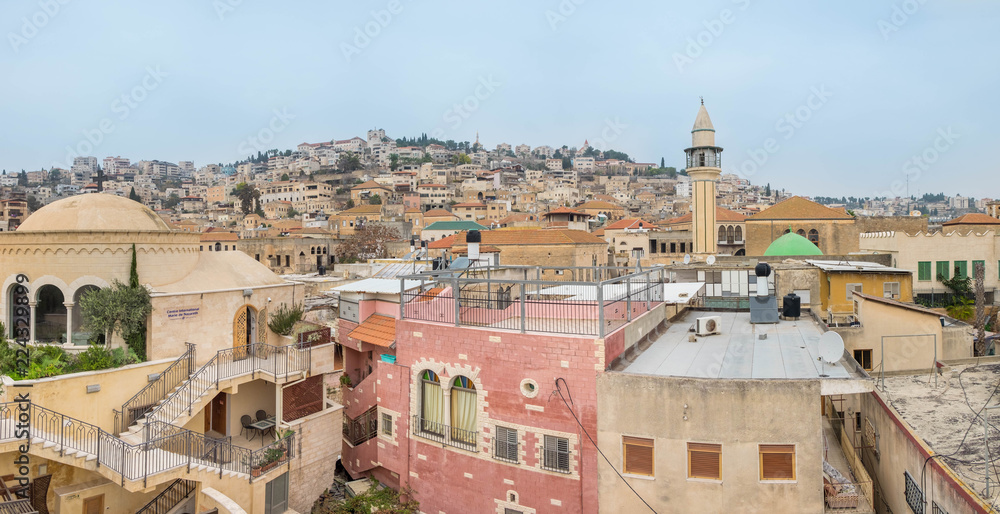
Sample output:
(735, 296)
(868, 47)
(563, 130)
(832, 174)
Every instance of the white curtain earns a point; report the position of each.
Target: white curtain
(463, 414)
(433, 408)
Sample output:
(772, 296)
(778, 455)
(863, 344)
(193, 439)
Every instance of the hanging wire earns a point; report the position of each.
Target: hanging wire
(559, 390)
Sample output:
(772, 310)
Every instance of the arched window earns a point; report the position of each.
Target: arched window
(218, 247)
(312, 250)
(463, 410)
(739, 233)
(801, 232)
(50, 315)
(722, 234)
(787, 230)
(814, 236)
(431, 403)
(730, 235)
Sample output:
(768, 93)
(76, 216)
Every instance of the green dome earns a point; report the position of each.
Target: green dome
(792, 244)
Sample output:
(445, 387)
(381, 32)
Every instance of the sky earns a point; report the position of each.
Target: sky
(849, 98)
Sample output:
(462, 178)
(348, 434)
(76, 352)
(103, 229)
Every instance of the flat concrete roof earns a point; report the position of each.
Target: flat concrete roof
(790, 351)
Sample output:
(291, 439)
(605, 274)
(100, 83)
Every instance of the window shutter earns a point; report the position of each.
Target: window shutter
(563, 446)
(705, 461)
(777, 462)
(638, 455)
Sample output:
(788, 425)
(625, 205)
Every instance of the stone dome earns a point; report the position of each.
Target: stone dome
(94, 212)
(790, 245)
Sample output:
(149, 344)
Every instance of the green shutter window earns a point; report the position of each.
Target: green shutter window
(942, 270)
(961, 269)
(974, 268)
(923, 270)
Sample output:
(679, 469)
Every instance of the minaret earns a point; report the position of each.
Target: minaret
(704, 162)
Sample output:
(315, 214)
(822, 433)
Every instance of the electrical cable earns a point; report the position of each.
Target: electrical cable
(559, 390)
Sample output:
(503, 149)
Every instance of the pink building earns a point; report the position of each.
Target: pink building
(489, 414)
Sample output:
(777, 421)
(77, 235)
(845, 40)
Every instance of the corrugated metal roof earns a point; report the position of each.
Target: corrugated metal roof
(855, 266)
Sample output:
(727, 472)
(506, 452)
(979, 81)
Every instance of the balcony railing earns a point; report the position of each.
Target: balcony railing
(362, 428)
(445, 434)
(518, 298)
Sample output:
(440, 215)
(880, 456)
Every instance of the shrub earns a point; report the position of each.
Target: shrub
(284, 318)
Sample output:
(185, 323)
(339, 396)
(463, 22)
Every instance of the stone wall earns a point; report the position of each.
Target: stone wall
(907, 224)
(318, 438)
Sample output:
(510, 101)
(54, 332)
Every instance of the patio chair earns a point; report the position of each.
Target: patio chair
(39, 493)
(261, 416)
(246, 421)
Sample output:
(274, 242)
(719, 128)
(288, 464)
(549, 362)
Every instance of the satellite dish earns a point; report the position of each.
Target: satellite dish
(831, 347)
(687, 258)
(710, 260)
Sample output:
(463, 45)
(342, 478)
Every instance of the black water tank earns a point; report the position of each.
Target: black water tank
(321, 270)
(791, 306)
(473, 237)
(762, 269)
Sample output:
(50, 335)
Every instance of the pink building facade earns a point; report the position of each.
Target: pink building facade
(470, 418)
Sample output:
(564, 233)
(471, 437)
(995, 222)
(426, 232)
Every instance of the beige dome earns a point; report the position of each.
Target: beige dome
(94, 212)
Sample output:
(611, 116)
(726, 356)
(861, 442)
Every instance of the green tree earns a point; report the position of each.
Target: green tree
(462, 158)
(663, 162)
(284, 177)
(119, 309)
(248, 196)
(33, 203)
(567, 163)
(292, 213)
(22, 179)
(348, 162)
(375, 200)
(350, 204)
(172, 201)
(393, 161)
(133, 196)
(55, 176)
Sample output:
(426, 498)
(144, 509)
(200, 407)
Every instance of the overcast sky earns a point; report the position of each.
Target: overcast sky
(820, 98)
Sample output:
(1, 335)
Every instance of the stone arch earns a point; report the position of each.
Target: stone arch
(722, 233)
(51, 315)
(739, 233)
(801, 232)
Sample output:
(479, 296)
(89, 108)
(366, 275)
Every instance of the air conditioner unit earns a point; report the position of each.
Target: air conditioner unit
(708, 325)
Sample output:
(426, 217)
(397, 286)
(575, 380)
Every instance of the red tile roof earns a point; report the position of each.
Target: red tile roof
(564, 210)
(469, 204)
(973, 218)
(378, 329)
(436, 213)
(721, 214)
(518, 237)
(798, 208)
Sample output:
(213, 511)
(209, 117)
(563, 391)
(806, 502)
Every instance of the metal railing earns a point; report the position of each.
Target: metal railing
(272, 456)
(175, 448)
(444, 434)
(169, 498)
(505, 298)
(362, 428)
(146, 399)
(17, 507)
(278, 361)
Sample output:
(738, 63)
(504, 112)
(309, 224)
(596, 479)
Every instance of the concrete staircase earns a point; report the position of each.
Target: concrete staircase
(229, 368)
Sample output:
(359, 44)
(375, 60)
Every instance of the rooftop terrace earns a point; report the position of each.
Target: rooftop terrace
(592, 301)
(946, 416)
(790, 351)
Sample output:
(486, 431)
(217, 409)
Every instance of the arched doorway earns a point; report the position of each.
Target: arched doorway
(77, 333)
(50, 315)
(244, 329)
